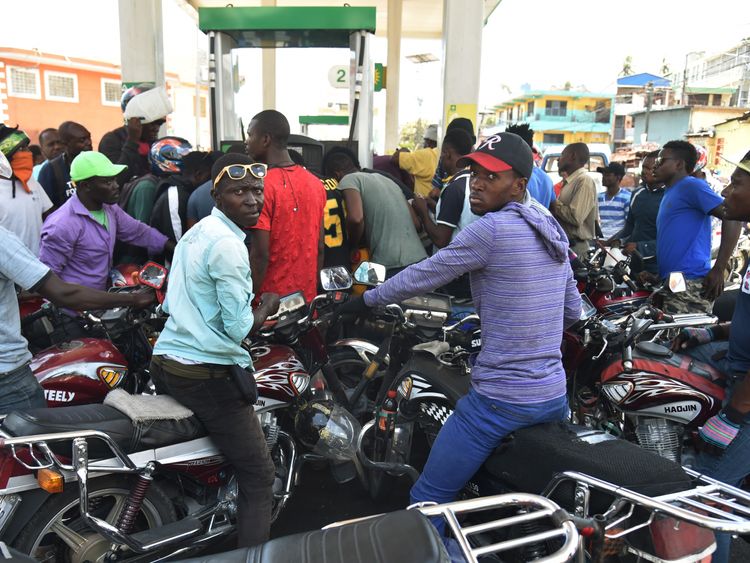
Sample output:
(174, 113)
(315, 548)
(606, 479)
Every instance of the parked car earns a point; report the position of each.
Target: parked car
(600, 156)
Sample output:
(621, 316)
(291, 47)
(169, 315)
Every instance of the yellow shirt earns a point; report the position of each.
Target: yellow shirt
(421, 164)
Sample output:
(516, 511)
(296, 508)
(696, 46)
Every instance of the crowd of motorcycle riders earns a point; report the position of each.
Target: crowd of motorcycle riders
(476, 220)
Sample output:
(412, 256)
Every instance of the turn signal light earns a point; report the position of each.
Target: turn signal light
(50, 480)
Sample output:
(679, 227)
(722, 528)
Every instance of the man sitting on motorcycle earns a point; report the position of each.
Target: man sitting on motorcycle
(726, 347)
(198, 358)
(516, 255)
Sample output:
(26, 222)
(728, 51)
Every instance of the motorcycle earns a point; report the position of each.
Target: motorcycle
(116, 355)
(635, 386)
(605, 279)
(140, 486)
(406, 536)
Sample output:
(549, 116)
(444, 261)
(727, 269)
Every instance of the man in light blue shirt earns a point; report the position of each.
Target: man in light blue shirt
(209, 302)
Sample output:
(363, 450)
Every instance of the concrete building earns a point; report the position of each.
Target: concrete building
(40, 90)
(560, 117)
(633, 95)
(677, 122)
(722, 76)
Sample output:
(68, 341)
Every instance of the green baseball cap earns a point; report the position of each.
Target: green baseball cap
(89, 164)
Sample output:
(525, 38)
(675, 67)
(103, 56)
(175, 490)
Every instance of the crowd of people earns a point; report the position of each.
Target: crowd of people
(477, 221)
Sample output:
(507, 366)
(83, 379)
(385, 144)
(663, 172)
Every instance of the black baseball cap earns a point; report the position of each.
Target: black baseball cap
(614, 167)
(501, 152)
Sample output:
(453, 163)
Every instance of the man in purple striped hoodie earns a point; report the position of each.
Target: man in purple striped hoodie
(522, 284)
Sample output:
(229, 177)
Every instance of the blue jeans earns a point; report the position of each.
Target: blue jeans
(469, 436)
(20, 391)
(733, 465)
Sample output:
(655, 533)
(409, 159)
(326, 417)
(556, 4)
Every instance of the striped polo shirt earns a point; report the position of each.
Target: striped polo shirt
(524, 292)
(613, 212)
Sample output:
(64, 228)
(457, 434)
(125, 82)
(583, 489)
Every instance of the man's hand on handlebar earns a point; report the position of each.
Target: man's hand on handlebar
(269, 304)
(355, 306)
(143, 299)
(692, 337)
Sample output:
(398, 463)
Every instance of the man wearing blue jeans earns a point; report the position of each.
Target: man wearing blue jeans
(523, 288)
(726, 347)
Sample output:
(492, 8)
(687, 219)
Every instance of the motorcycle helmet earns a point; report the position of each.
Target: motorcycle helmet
(166, 154)
(133, 91)
(124, 275)
(327, 429)
(702, 158)
(11, 139)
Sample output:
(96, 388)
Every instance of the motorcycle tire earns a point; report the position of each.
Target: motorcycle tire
(81, 544)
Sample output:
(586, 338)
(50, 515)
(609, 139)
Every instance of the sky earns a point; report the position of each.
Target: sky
(543, 43)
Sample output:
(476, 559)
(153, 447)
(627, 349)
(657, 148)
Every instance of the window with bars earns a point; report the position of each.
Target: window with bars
(111, 92)
(61, 86)
(23, 82)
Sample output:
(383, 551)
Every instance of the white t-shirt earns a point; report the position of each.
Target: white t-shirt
(22, 214)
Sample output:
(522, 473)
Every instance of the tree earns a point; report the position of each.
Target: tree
(568, 85)
(627, 66)
(665, 70)
(412, 134)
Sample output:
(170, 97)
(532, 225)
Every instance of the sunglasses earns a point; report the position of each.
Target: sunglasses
(239, 171)
(660, 160)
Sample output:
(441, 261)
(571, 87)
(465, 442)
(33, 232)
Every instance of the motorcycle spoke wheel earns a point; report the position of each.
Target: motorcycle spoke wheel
(58, 533)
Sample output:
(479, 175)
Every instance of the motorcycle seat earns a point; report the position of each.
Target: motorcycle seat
(129, 436)
(405, 536)
(532, 456)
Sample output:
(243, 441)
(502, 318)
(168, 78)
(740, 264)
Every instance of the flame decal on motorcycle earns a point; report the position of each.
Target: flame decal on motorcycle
(277, 376)
(646, 386)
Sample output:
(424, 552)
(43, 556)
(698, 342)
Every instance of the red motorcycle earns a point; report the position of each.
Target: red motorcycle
(115, 355)
(624, 381)
(177, 490)
(605, 279)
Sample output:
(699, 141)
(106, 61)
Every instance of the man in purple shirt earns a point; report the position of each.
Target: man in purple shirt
(78, 239)
(516, 255)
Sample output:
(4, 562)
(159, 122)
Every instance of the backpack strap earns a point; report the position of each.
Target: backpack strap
(174, 212)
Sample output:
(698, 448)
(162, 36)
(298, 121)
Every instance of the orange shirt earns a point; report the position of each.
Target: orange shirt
(293, 214)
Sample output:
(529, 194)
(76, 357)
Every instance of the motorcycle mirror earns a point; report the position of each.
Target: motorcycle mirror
(370, 273)
(153, 275)
(677, 282)
(335, 279)
(5, 170)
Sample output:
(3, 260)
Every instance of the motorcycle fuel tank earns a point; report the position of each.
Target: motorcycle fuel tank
(279, 374)
(671, 386)
(79, 372)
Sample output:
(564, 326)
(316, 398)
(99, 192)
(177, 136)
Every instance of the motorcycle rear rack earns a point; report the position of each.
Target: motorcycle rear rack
(44, 458)
(710, 504)
(554, 524)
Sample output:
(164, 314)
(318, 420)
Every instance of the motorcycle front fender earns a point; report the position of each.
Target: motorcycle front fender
(364, 349)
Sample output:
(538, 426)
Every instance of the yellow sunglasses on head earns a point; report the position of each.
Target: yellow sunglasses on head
(239, 171)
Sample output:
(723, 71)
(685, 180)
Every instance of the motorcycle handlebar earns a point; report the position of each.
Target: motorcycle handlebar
(36, 315)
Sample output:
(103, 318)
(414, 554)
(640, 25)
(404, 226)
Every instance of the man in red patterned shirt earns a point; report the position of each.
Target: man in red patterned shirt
(287, 242)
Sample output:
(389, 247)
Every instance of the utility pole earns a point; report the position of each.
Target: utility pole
(649, 102)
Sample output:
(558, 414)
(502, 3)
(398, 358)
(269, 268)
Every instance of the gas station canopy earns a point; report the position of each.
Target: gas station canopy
(421, 19)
